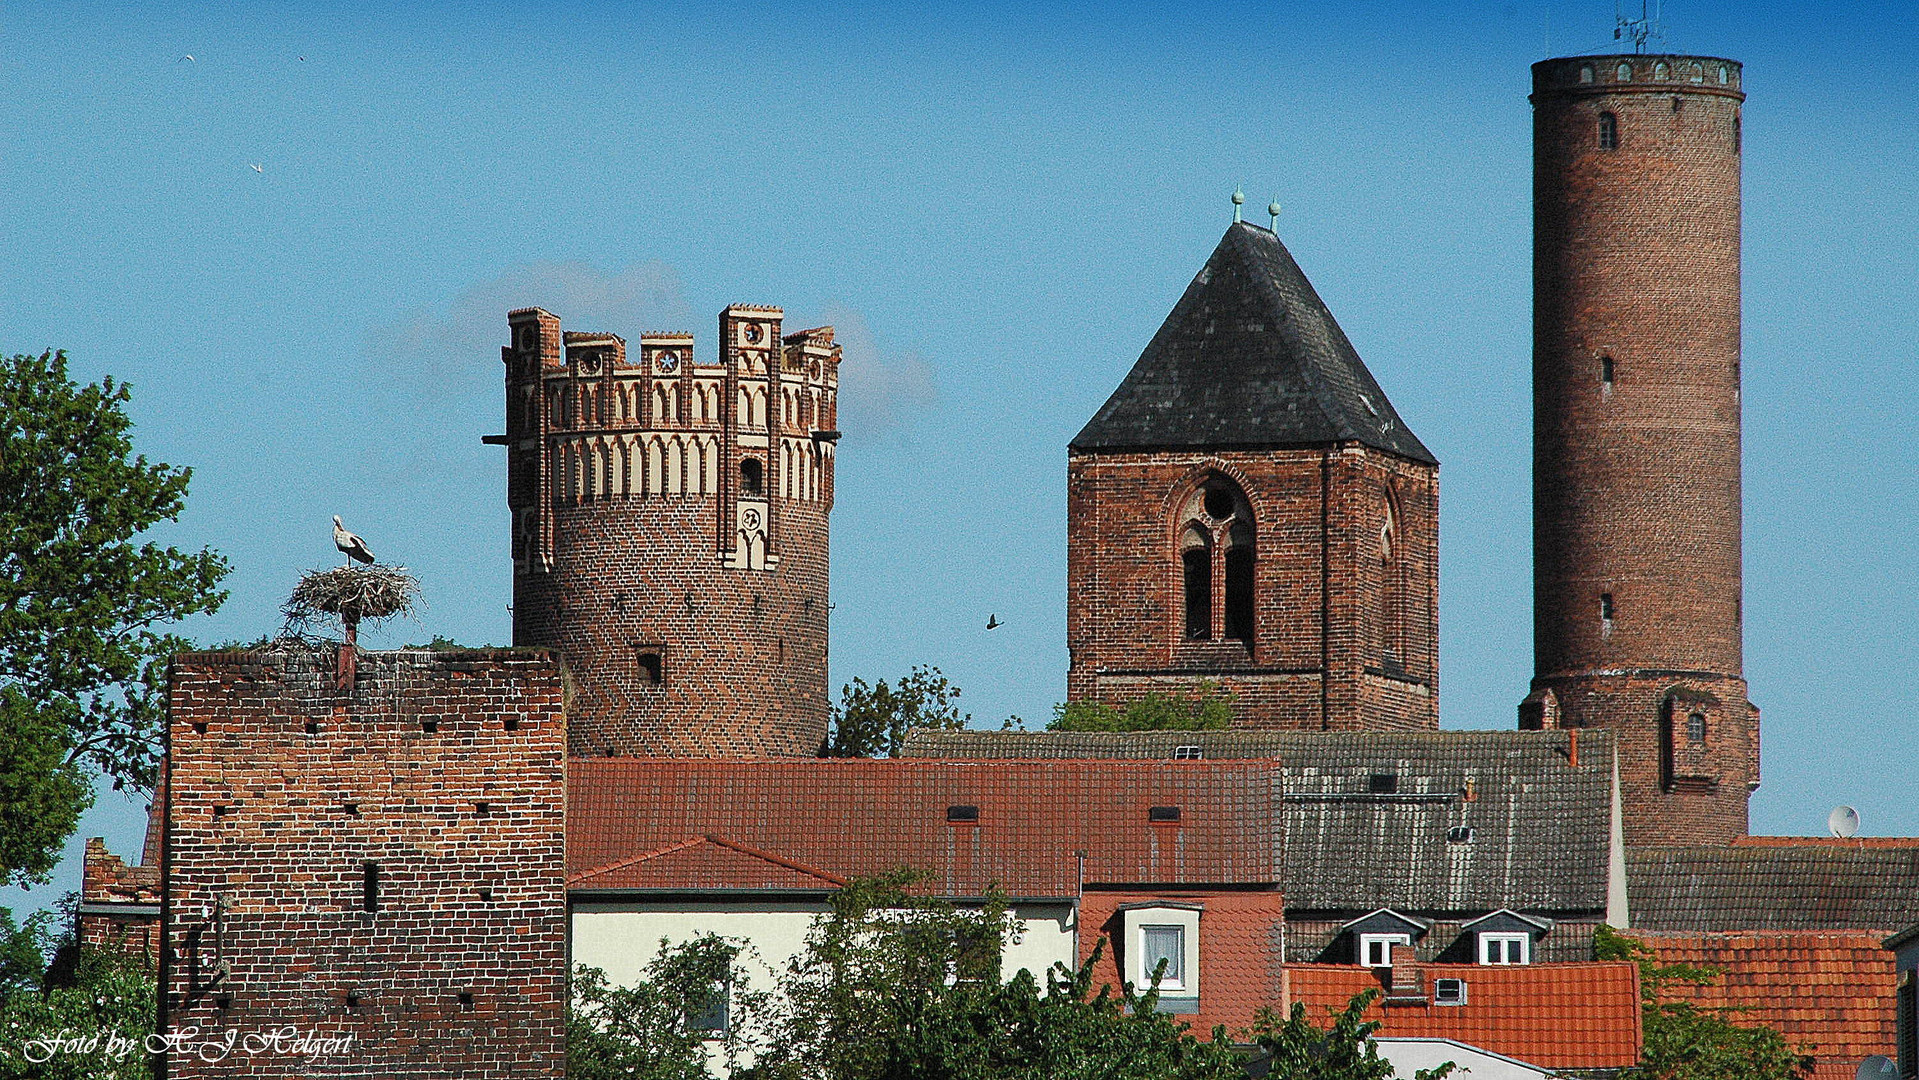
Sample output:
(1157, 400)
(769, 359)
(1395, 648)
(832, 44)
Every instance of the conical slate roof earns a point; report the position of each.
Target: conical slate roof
(1249, 359)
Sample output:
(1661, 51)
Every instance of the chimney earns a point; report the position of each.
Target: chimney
(1406, 980)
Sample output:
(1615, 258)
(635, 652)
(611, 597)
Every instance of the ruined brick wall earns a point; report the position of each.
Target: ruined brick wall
(1636, 504)
(1345, 631)
(670, 530)
(431, 792)
(119, 904)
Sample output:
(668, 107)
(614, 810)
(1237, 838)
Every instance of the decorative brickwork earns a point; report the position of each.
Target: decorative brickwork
(385, 863)
(1636, 489)
(1344, 582)
(670, 530)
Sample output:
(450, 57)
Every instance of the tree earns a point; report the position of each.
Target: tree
(1686, 1042)
(1207, 707)
(894, 983)
(82, 654)
(693, 1005)
(103, 996)
(1296, 1049)
(872, 721)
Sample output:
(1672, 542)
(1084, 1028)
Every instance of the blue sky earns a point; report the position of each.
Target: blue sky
(996, 204)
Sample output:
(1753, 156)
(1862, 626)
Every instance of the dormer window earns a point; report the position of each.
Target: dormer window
(1505, 949)
(1376, 950)
(1506, 937)
(1162, 932)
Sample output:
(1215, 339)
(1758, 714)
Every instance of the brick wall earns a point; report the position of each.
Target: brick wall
(690, 607)
(119, 904)
(443, 770)
(1636, 504)
(1331, 647)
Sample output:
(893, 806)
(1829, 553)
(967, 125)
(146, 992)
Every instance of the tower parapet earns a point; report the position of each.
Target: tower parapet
(1636, 445)
(670, 529)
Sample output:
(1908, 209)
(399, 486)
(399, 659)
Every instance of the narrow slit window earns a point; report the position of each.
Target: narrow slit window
(1606, 371)
(1239, 592)
(752, 477)
(370, 886)
(1198, 565)
(1608, 131)
(1605, 608)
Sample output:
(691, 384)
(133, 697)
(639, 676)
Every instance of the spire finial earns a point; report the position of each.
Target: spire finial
(1273, 209)
(1239, 199)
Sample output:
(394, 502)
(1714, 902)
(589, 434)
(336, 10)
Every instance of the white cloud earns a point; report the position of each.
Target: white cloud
(878, 389)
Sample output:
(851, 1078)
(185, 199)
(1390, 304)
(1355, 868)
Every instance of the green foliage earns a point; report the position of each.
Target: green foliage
(1209, 707)
(446, 644)
(105, 996)
(81, 604)
(872, 721)
(42, 792)
(645, 1032)
(894, 984)
(1686, 1042)
(1297, 1049)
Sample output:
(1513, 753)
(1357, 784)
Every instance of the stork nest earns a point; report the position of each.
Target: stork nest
(351, 594)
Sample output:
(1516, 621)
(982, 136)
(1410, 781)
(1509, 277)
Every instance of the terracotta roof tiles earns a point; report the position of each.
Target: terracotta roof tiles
(1559, 1016)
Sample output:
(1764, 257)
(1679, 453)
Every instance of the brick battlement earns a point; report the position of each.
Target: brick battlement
(670, 528)
(384, 861)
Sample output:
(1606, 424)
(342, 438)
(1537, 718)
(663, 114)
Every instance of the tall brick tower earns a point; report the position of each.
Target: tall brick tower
(670, 529)
(1636, 531)
(1247, 508)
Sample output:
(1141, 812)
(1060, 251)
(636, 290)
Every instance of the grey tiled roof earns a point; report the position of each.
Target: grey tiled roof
(1249, 358)
(1764, 884)
(1540, 828)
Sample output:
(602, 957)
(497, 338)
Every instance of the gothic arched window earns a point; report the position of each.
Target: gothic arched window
(1216, 518)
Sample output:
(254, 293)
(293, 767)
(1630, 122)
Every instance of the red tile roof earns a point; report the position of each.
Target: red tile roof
(1558, 1016)
(705, 862)
(1857, 843)
(1239, 961)
(855, 817)
(1828, 992)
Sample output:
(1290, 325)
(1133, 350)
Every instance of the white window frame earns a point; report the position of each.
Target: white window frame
(1186, 919)
(1175, 978)
(1460, 984)
(1385, 942)
(1488, 940)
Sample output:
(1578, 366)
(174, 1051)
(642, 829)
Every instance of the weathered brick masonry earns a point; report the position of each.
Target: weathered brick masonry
(1248, 508)
(1327, 652)
(385, 862)
(670, 530)
(1636, 473)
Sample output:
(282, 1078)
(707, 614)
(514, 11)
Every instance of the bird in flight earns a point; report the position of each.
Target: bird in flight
(256, 168)
(188, 58)
(350, 545)
(992, 622)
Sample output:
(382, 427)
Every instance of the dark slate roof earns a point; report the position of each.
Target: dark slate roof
(1775, 883)
(1541, 828)
(1142, 745)
(1249, 359)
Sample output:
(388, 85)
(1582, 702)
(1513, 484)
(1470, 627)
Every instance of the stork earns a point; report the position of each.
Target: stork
(352, 546)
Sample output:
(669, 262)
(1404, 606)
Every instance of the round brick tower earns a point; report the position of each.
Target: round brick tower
(670, 530)
(1636, 530)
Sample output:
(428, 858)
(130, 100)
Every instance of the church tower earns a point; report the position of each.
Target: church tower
(1636, 487)
(1248, 510)
(670, 530)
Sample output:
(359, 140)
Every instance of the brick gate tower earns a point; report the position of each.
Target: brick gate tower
(1636, 531)
(670, 529)
(1247, 509)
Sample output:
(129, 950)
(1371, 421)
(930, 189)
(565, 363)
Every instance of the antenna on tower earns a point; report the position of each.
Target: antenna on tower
(1646, 26)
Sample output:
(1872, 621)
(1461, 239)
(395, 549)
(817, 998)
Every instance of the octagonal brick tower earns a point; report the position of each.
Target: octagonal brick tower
(1636, 458)
(670, 530)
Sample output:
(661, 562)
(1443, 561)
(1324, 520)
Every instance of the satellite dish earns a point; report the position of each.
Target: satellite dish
(1878, 1066)
(1844, 823)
